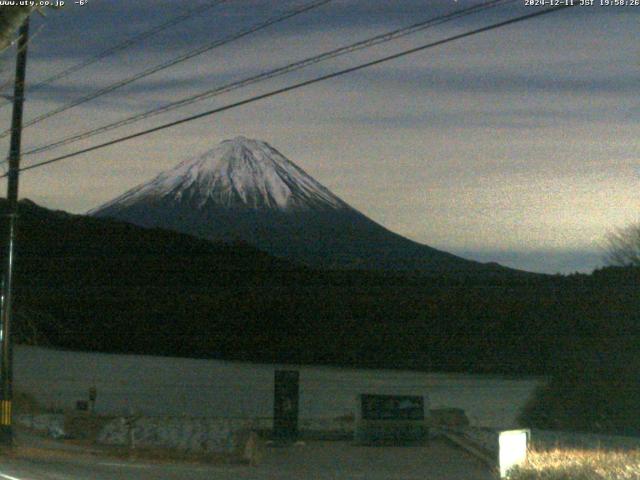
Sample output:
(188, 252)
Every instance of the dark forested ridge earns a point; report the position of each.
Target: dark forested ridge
(97, 284)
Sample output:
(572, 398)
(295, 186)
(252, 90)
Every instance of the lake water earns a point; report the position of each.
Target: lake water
(177, 386)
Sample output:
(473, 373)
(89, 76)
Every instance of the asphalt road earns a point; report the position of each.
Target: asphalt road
(315, 460)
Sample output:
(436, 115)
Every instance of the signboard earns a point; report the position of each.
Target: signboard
(392, 407)
(395, 419)
(285, 404)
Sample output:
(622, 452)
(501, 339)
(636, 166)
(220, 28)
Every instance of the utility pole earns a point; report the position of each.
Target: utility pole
(6, 354)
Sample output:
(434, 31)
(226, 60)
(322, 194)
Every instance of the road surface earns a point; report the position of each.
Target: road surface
(313, 461)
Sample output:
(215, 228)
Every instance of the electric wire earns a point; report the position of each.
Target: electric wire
(363, 44)
(296, 86)
(181, 58)
(123, 45)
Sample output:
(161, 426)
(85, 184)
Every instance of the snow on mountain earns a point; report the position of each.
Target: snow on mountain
(238, 173)
(246, 190)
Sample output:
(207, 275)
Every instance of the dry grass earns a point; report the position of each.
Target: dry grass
(567, 464)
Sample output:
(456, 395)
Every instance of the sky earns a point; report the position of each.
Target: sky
(517, 145)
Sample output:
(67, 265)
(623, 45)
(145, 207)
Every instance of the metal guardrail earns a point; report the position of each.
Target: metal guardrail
(480, 452)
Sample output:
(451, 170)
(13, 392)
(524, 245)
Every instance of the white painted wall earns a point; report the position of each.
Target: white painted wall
(177, 386)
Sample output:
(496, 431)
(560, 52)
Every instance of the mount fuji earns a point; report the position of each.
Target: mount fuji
(248, 191)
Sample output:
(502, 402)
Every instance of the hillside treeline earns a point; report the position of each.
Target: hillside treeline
(94, 284)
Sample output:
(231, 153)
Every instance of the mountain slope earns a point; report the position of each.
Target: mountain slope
(245, 189)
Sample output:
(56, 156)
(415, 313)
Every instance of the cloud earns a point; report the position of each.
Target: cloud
(542, 261)
(483, 80)
(520, 140)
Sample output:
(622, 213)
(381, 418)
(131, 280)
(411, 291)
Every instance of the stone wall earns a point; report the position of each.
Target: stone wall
(189, 435)
(50, 424)
(192, 435)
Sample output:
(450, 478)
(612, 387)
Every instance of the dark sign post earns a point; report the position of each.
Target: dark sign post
(285, 405)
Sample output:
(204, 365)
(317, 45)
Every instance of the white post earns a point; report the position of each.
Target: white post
(513, 445)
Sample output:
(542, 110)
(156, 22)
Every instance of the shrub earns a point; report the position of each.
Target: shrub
(588, 397)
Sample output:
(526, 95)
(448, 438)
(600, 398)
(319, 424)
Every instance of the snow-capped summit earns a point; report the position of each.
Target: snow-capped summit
(246, 190)
(238, 173)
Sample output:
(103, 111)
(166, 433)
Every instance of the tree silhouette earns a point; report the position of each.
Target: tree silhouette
(623, 246)
(11, 17)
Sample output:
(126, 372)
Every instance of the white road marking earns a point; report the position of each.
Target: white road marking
(117, 464)
(9, 477)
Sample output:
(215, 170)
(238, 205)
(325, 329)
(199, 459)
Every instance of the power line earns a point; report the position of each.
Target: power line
(124, 45)
(297, 86)
(367, 43)
(175, 61)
